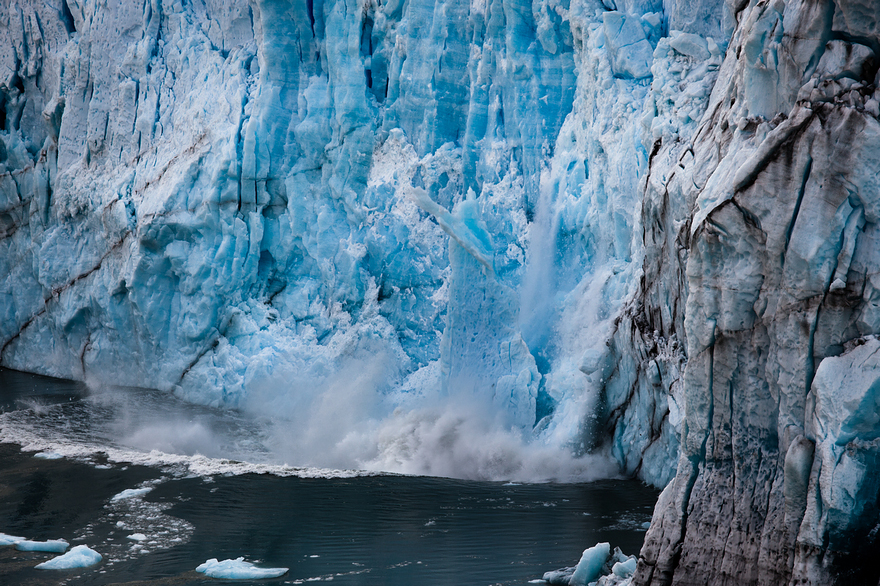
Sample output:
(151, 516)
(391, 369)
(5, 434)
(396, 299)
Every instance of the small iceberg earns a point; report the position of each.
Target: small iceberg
(10, 539)
(238, 569)
(130, 493)
(590, 567)
(81, 556)
(598, 565)
(51, 546)
(137, 537)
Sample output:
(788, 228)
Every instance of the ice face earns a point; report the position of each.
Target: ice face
(289, 210)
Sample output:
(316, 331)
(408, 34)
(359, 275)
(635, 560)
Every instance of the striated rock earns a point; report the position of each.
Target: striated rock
(781, 249)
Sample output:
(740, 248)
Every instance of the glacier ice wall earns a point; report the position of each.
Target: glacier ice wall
(299, 208)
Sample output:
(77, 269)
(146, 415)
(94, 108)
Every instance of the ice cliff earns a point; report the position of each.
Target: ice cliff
(647, 227)
(349, 211)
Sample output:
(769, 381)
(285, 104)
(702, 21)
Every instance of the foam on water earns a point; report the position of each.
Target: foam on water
(51, 545)
(453, 436)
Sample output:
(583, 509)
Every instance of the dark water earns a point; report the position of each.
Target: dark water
(377, 529)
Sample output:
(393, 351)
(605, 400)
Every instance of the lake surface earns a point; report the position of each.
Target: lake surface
(350, 527)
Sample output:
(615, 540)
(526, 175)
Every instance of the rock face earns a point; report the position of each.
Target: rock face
(777, 480)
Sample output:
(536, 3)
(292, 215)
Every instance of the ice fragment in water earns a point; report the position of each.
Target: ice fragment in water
(590, 566)
(238, 569)
(131, 493)
(81, 556)
(52, 545)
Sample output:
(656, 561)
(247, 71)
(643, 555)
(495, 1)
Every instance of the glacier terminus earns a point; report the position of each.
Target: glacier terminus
(491, 239)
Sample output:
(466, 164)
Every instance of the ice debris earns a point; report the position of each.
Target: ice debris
(238, 569)
(81, 556)
(598, 566)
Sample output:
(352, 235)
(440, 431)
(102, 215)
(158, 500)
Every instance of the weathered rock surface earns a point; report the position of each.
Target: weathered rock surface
(777, 480)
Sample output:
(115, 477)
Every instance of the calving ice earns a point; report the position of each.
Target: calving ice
(485, 239)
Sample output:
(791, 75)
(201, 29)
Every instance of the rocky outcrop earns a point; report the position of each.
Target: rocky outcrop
(777, 480)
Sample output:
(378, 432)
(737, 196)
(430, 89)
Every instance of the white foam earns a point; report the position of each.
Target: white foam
(22, 428)
(132, 493)
(450, 437)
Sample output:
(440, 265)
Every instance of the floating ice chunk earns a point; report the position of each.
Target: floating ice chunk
(598, 567)
(10, 539)
(558, 577)
(48, 455)
(238, 569)
(81, 556)
(625, 569)
(137, 537)
(131, 493)
(52, 545)
(590, 567)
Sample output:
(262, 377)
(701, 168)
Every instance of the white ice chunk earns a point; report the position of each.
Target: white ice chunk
(590, 567)
(52, 545)
(81, 556)
(691, 45)
(48, 455)
(137, 537)
(238, 569)
(10, 539)
(131, 493)
(625, 569)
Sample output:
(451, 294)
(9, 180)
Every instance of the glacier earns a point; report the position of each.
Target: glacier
(464, 237)
(362, 217)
